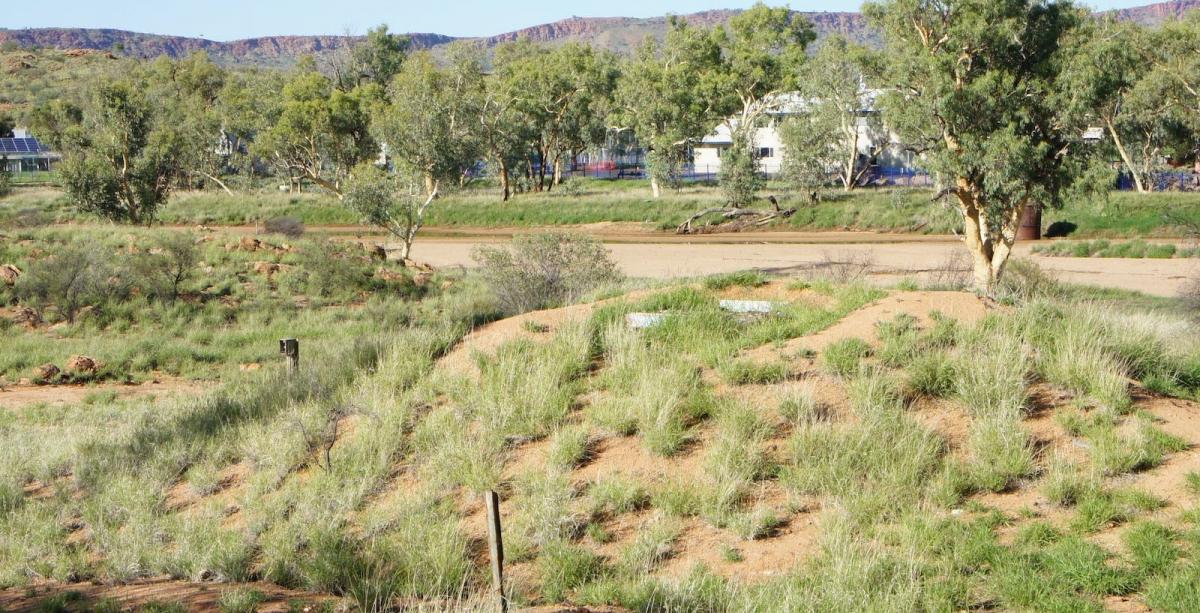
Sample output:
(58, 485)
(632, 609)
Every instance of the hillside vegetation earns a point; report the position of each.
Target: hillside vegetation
(857, 448)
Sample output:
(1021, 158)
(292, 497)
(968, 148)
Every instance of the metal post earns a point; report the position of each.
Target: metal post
(290, 348)
(496, 546)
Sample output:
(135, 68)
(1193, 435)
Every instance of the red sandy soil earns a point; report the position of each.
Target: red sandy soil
(20, 396)
(195, 596)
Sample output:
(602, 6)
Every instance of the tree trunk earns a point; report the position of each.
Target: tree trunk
(989, 251)
(429, 184)
(504, 179)
(655, 188)
(850, 178)
(557, 170)
(1137, 176)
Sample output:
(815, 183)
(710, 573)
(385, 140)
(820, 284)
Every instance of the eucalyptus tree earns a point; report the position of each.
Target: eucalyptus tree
(763, 49)
(662, 97)
(1176, 59)
(120, 153)
(1111, 82)
(833, 132)
(187, 91)
(975, 84)
(430, 125)
(318, 132)
(563, 93)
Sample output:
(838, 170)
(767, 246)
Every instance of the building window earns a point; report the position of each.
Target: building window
(766, 152)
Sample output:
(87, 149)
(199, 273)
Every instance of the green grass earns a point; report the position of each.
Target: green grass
(599, 201)
(843, 358)
(360, 476)
(1106, 249)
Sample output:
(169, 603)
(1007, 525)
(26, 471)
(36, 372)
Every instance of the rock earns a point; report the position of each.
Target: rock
(266, 268)
(417, 266)
(389, 275)
(81, 364)
(249, 243)
(46, 372)
(24, 381)
(27, 317)
(376, 251)
(422, 279)
(9, 274)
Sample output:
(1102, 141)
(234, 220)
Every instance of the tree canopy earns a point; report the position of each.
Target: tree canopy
(974, 85)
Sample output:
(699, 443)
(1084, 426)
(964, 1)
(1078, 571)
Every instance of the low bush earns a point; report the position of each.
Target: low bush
(843, 358)
(1024, 280)
(538, 271)
(70, 280)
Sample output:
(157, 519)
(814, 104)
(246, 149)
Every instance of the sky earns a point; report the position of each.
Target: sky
(234, 19)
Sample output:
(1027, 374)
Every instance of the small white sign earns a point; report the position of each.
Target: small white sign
(747, 306)
(638, 321)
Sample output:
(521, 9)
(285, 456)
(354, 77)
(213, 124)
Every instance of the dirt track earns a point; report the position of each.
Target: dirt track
(891, 256)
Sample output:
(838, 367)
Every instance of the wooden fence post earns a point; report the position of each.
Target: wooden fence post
(290, 348)
(496, 546)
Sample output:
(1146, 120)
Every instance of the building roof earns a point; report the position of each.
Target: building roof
(22, 146)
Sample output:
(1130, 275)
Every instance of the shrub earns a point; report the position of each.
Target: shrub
(1024, 280)
(162, 272)
(842, 358)
(543, 270)
(70, 280)
(290, 227)
(329, 269)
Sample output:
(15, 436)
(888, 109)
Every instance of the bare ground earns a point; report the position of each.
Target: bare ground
(891, 258)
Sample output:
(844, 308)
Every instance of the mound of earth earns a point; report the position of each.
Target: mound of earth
(964, 307)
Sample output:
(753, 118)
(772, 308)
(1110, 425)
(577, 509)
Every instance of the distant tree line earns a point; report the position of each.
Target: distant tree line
(991, 96)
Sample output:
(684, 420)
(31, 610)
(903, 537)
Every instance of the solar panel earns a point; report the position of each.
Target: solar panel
(22, 145)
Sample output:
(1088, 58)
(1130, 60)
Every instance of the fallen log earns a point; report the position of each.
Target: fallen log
(737, 219)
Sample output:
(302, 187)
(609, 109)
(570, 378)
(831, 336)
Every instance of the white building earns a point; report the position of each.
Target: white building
(770, 149)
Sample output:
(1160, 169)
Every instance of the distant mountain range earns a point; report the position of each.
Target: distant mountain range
(618, 34)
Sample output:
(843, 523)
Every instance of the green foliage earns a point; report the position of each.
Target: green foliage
(545, 270)
(989, 117)
(1107, 249)
(120, 159)
(393, 202)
